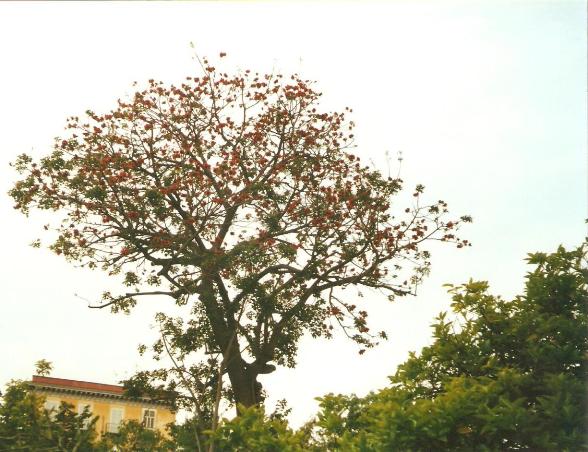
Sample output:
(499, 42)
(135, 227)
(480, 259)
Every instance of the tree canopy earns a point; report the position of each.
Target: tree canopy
(26, 425)
(500, 375)
(238, 194)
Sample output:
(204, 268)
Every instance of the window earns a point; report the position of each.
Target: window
(81, 407)
(52, 406)
(149, 418)
(116, 417)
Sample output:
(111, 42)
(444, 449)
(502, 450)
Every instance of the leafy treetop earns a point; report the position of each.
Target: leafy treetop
(43, 367)
(502, 375)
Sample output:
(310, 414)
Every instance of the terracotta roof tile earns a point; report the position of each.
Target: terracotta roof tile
(75, 384)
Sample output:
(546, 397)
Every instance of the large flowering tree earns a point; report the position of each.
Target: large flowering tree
(238, 194)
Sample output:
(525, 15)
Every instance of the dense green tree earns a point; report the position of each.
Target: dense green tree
(26, 426)
(500, 375)
(254, 431)
(133, 437)
(237, 194)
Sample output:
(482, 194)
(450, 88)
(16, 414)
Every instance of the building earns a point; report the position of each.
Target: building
(108, 402)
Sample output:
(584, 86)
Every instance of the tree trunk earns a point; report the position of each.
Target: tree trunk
(243, 377)
(246, 388)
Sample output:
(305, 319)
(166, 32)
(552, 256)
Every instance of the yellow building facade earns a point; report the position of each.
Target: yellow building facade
(108, 402)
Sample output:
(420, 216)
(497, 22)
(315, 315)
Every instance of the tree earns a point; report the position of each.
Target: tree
(26, 425)
(252, 430)
(239, 194)
(132, 436)
(43, 367)
(501, 375)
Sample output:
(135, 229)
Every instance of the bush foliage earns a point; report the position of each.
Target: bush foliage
(499, 375)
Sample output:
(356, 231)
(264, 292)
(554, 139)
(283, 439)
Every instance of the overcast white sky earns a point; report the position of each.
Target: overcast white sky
(487, 101)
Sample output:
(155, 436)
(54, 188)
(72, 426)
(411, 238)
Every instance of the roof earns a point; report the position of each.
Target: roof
(76, 384)
(87, 388)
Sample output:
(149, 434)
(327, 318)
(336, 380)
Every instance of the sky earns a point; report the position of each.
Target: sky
(485, 99)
